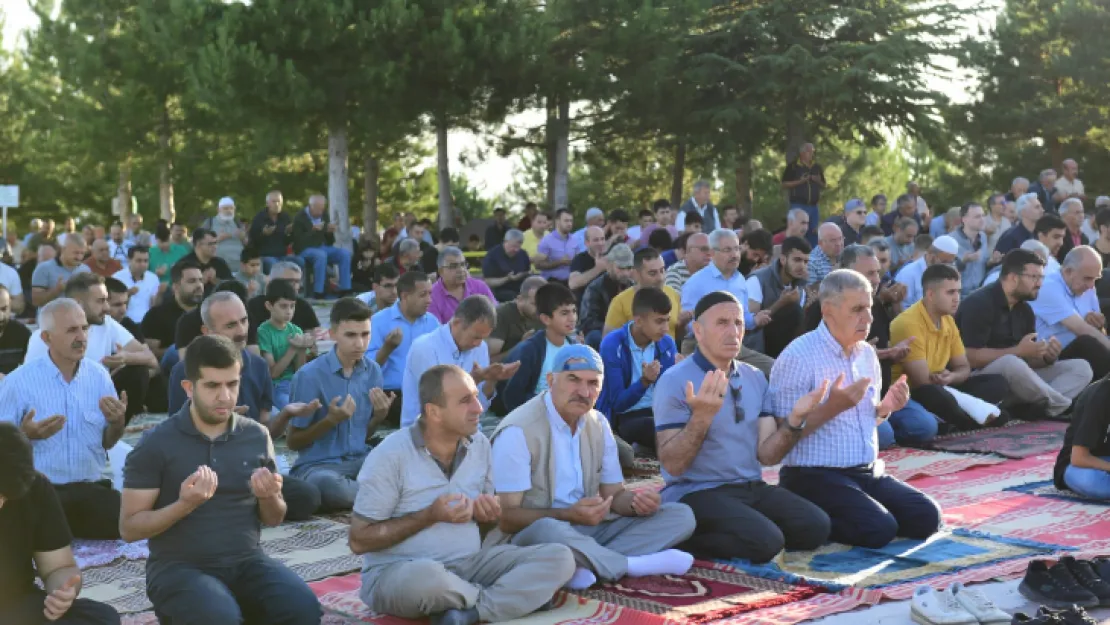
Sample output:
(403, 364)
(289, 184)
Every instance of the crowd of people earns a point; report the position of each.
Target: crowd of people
(695, 334)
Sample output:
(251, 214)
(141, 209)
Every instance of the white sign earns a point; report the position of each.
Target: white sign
(9, 196)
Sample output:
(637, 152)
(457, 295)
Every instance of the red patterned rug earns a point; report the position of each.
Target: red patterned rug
(1017, 439)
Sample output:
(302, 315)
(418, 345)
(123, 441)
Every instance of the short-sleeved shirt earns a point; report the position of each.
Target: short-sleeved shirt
(556, 246)
(401, 477)
(166, 259)
(34, 523)
(111, 268)
(1055, 303)
(936, 346)
(808, 193)
(710, 279)
(498, 264)
(256, 390)
(512, 462)
(303, 314)
(531, 243)
(512, 326)
(1089, 427)
(728, 453)
(10, 279)
(189, 327)
(160, 324)
(102, 341)
(443, 304)
(582, 262)
(620, 309)
(275, 342)
(548, 364)
(171, 452)
(910, 275)
(47, 274)
(1013, 238)
(385, 321)
(985, 319)
(138, 305)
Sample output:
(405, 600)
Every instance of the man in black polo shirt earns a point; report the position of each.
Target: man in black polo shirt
(1083, 464)
(998, 328)
(506, 266)
(804, 180)
(269, 233)
(213, 268)
(160, 323)
(204, 524)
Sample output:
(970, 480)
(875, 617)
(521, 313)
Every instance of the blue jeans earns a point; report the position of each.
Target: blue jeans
(911, 425)
(814, 220)
(281, 394)
(320, 258)
(1093, 483)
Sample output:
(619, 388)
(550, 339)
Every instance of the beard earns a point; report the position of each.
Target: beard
(207, 412)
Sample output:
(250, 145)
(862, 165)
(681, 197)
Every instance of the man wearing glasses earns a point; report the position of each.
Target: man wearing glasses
(999, 332)
(712, 443)
(855, 216)
(454, 285)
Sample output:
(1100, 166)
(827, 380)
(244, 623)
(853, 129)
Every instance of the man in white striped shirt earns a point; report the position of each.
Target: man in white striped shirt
(67, 405)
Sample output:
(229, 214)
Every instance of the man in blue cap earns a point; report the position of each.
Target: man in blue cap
(558, 480)
(855, 217)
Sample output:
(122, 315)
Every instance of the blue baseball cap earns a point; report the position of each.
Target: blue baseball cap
(854, 203)
(577, 357)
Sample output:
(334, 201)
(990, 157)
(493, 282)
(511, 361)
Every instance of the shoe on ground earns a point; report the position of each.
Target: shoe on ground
(1089, 578)
(468, 616)
(1073, 615)
(1054, 587)
(929, 607)
(977, 604)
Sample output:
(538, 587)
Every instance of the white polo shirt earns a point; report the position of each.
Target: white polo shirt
(103, 339)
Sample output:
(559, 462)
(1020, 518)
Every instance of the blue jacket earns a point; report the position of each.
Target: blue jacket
(522, 386)
(618, 393)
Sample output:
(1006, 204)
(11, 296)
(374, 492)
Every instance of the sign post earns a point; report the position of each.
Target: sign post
(9, 198)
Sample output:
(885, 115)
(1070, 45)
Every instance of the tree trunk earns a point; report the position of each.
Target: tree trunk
(337, 183)
(550, 133)
(795, 133)
(165, 176)
(679, 173)
(123, 191)
(443, 176)
(371, 169)
(744, 186)
(562, 156)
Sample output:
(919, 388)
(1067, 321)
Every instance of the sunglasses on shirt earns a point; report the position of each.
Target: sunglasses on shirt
(735, 388)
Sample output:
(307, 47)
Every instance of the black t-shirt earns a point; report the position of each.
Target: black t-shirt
(1090, 422)
(13, 345)
(188, 328)
(304, 317)
(223, 272)
(581, 263)
(160, 322)
(986, 320)
(132, 327)
(31, 524)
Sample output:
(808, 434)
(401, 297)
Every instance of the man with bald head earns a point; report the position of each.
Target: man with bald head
(695, 257)
(587, 265)
(101, 262)
(49, 280)
(1067, 309)
(314, 243)
(823, 259)
(1069, 185)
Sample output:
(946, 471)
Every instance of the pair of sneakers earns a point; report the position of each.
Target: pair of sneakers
(955, 605)
(1068, 582)
(1074, 615)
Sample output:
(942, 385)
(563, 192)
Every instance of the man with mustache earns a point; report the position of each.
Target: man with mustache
(66, 404)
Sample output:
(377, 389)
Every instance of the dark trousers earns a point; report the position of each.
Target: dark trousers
(393, 419)
(866, 510)
(302, 499)
(990, 388)
(753, 521)
(134, 380)
(785, 326)
(28, 611)
(636, 426)
(91, 508)
(255, 591)
(1093, 351)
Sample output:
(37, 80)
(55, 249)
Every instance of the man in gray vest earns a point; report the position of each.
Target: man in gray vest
(780, 290)
(699, 204)
(558, 479)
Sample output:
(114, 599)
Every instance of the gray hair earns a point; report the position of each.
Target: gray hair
(1024, 201)
(837, 282)
(1020, 180)
(283, 266)
(879, 245)
(514, 236)
(448, 252)
(852, 253)
(699, 185)
(1071, 202)
(474, 309)
(1035, 246)
(1079, 254)
(211, 300)
(62, 304)
(717, 235)
(407, 246)
(795, 213)
(1046, 172)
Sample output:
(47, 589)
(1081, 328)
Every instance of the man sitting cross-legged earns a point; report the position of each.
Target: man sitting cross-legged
(833, 461)
(199, 487)
(558, 478)
(423, 494)
(35, 542)
(711, 445)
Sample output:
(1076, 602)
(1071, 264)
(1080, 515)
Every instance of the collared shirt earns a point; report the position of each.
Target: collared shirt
(274, 244)
(1013, 238)
(1055, 303)
(557, 247)
(167, 259)
(910, 275)
(971, 273)
(677, 275)
(512, 462)
(937, 226)
(118, 251)
(707, 211)
(640, 355)
(986, 320)
(102, 341)
(138, 305)
(820, 266)
(109, 269)
(937, 346)
(385, 321)
(47, 274)
(711, 279)
(323, 379)
(851, 438)
(76, 453)
(498, 264)
(443, 304)
(728, 453)
(531, 243)
(437, 348)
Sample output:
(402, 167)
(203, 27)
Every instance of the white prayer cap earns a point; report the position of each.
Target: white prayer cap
(946, 244)
(226, 201)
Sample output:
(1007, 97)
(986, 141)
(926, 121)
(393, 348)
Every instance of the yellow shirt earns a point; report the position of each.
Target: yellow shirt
(936, 346)
(531, 244)
(620, 309)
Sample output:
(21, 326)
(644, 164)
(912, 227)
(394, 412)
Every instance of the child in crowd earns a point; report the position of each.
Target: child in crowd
(558, 312)
(280, 341)
(250, 271)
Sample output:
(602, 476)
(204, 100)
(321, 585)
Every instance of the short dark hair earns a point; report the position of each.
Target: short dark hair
(80, 283)
(430, 387)
(180, 267)
(137, 249)
(212, 351)
(114, 286)
(1048, 223)
(661, 203)
(644, 255)
(551, 297)
(680, 242)
(967, 207)
(1015, 261)
(935, 274)
(1102, 218)
(249, 253)
(17, 463)
(795, 244)
(559, 213)
(200, 233)
(280, 289)
(923, 242)
(234, 286)
(904, 199)
(449, 234)
(407, 283)
(870, 231)
(660, 239)
(875, 198)
(349, 309)
(385, 271)
(760, 240)
(650, 300)
(618, 215)
(693, 217)
(646, 212)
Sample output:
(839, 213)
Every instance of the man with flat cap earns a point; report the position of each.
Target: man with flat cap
(712, 437)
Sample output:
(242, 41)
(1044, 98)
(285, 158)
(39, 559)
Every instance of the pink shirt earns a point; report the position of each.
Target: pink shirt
(444, 304)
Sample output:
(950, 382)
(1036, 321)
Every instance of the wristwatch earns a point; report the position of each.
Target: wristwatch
(797, 430)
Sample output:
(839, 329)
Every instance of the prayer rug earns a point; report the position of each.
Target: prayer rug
(983, 484)
(906, 463)
(1047, 489)
(837, 566)
(90, 553)
(805, 610)
(1016, 439)
(1079, 525)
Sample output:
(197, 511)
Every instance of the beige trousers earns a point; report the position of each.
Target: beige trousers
(1053, 387)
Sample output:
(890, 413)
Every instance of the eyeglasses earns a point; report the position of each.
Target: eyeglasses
(735, 387)
(454, 266)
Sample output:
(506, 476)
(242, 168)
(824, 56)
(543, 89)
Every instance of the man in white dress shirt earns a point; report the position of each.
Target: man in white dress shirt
(141, 283)
(943, 250)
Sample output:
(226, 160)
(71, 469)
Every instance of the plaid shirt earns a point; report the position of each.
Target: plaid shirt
(819, 266)
(850, 438)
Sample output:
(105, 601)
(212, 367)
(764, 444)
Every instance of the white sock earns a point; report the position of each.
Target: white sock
(669, 562)
(581, 580)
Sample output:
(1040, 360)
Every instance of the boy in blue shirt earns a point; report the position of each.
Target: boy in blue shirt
(558, 312)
